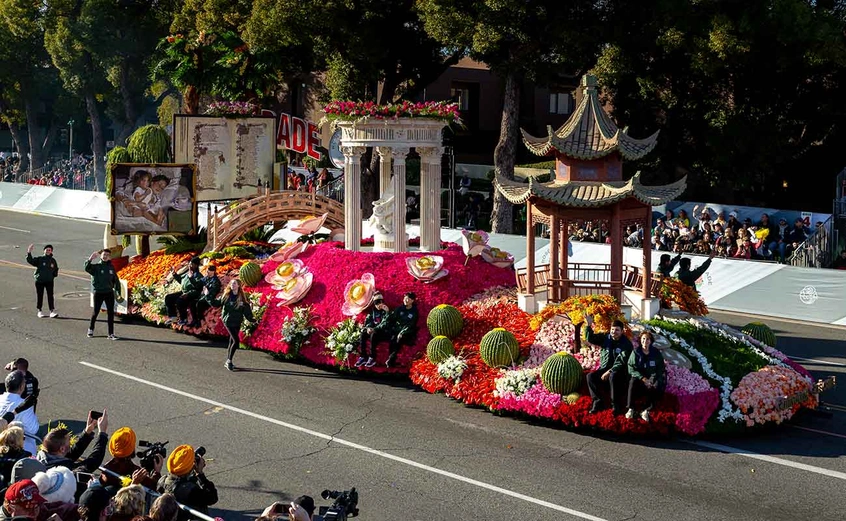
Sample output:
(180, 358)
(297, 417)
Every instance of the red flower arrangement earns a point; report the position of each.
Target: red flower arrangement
(356, 110)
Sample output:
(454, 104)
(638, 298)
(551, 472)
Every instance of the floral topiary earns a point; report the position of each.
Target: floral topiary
(444, 320)
(760, 332)
(439, 349)
(561, 374)
(499, 348)
(250, 274)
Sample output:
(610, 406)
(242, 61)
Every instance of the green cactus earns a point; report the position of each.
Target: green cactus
(439, 349)
(561, 374)
(250, 274)
(499, 348)
(572, 398)
(444, 320)
(760, 332)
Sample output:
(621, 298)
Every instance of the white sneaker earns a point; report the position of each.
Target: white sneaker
(40, 314)
(630, 414)
(90, 333)
(645, 416)
(112, 337)
(54, 314)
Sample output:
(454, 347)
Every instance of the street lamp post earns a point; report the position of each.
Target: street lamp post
(70, 139)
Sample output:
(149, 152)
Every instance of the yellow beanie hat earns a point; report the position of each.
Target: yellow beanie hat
(122, 443)
(181, 460)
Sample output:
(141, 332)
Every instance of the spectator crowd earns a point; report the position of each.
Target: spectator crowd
(54, 480)
(76, 173)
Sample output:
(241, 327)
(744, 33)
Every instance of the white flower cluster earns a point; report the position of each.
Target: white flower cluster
(344, 338)
(726, 408)
(730, 334)
(452, 368)
(516, 382)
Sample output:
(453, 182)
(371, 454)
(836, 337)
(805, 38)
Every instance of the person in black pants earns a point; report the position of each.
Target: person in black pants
(211, 288)
(402, 327)
(180, 301)
(374, 331)
(614, 346)
(46, 270)
(647, 376)
(235, 308)
(104, 283)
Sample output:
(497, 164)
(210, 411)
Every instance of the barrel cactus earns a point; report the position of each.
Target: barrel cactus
(250, 274)
(499, 348)
(444, 320)
(439, 349)
(760, 332)
(572, 398)
(561, 374)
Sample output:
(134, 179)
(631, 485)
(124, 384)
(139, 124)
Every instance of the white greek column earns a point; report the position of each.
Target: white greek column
(430, 198)
(400, 237)
(352, 197)
(385, 155)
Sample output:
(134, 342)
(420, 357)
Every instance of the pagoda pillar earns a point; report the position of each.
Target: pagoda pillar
(530, 249)
(565, 275)
(616, 277)
(554, 275)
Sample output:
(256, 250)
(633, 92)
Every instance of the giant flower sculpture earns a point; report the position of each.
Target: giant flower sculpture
(310, 225)
(284, 272)
(497, 257)
(428, 268)
(289, 251)
(473, 243)
(357, 295)
(295, 288)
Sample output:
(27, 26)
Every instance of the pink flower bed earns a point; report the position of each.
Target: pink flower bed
(757, 395)
(334, 266)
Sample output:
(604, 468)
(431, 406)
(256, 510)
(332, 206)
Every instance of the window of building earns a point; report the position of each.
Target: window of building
(559, 103)
(461, 95)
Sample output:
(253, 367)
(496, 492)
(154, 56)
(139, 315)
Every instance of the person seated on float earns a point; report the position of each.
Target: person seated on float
(689, 276)
(614, 345)
(374, 331)
(181, 300)
(211, 288)
(402, 327)
(647, 376)
(122, 448)
(667, 264)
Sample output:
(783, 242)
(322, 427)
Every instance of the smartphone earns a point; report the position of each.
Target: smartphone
(95, 415)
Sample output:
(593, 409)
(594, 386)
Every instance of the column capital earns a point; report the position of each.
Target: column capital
(430, 154)
(353, 152)
(385, 152)
(400, 153)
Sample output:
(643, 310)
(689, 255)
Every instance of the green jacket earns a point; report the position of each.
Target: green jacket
(648, 366)
(192, 285)
(46, 268)
(377, 319)
(233, 312)
(689, 277)
(613, 353)
(213, 285)
(403, 322)
(103, 277)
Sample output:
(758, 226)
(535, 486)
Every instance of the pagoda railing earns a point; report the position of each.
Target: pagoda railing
(586, 279)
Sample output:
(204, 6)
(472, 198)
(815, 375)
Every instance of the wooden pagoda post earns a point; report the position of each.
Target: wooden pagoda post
(616, 254)
(647, 253)
(554, 274)
(563, 249)
(530, 250)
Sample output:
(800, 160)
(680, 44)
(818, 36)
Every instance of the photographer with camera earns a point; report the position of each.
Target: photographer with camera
(300, 509)
(57, 450)
(187, 482)
(122, 449)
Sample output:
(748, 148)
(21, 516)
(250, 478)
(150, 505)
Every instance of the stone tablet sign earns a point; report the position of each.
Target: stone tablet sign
(233, 155)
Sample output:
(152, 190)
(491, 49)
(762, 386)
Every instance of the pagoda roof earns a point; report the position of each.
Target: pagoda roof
(589, 133)
(588, 193)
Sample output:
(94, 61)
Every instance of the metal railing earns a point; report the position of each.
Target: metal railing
(816, 251)
(334, 190)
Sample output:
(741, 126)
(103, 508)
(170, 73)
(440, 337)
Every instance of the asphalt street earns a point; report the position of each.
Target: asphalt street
(277, 430)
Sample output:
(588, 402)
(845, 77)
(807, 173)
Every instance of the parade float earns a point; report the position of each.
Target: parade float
(489, 335)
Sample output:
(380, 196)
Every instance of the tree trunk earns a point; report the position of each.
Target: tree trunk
(131, 112)
(50, 137)
(505, 153)
(21, 139)
(36, 138)
(98, 144)
(191, 100)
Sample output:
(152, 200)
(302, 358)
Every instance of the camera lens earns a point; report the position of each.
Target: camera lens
(201, 451)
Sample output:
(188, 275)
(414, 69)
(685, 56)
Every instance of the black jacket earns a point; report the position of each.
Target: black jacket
(192, 490)
(7, 462)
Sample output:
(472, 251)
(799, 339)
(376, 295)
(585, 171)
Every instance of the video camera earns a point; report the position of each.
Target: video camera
(148, 456)
(345, 505)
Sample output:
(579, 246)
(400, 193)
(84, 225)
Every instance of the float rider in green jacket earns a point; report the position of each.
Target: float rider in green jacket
(46, 271)
(402, 327)
(647, 375)
(104, 283)
(374, 331)
(211, 289)
(689, 276)
(192, 287)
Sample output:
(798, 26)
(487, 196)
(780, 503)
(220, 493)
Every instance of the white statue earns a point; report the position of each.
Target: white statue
(382, 219)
